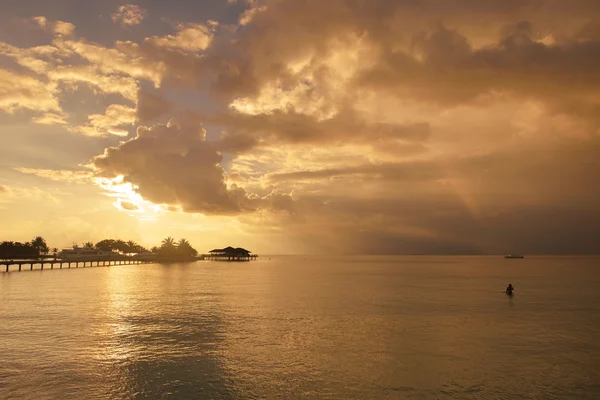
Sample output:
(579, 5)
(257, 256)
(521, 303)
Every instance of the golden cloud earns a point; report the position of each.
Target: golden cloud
(129, 15)
(189, 37)
(113, 121)
(70, 176)
(18, 91)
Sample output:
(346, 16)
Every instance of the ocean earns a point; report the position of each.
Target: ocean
(305, 327)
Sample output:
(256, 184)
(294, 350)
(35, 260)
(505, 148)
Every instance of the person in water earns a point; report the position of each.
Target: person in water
(509, 289)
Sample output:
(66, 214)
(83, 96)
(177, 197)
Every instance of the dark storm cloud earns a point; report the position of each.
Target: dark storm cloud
(453, 72)
(173, 164)
(531, 199)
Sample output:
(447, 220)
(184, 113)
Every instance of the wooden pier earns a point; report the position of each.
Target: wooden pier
(59, 264)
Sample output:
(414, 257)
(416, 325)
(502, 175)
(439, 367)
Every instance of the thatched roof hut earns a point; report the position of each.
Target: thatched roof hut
(230, 252)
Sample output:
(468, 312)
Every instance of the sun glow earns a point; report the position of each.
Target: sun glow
(127, 198)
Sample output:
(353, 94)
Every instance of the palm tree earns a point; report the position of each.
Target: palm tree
(88, 245)
(168, 242)
(168, 247)
(39, 243)
(183, 243)
(184, 248)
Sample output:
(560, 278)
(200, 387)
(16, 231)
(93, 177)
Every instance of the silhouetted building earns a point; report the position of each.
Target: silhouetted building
(231, 254)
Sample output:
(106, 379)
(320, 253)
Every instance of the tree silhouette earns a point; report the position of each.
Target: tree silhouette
(10, 249)
(185, 249)
(169, 248)
(39, 243)
(168, 242)
(120, 245)
(105, 245)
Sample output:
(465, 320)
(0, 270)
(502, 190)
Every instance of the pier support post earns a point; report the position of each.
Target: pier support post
(6, 267)
(42, 265)
(51, 265)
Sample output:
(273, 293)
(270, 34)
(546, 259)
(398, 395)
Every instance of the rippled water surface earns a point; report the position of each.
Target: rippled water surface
(305, 327)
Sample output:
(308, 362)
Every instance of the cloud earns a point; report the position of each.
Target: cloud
(106, 83)
(64, 28)
(415, 170)
(125, 59)
(129, 15)
(69, 176)
(248, 15)
(126, 205)
(51, 119)
(173, 164)
(59, 28)
(445, 68)
(19, 91)
(36, 59)
(12, 194)
(113, 121)
(189, 37)
(150, 107)
(292, 127)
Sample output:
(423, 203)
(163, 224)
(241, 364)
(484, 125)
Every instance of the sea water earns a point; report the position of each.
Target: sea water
(314, 327)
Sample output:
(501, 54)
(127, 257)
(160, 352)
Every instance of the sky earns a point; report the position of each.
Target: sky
(303, 126)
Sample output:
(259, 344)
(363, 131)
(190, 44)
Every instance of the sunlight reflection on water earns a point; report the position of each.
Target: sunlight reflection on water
(331, 328)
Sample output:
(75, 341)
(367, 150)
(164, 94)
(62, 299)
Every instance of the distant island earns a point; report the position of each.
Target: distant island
(38, 248)
(169, 250)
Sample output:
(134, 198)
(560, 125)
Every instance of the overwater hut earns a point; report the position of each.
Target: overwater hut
(231, 254)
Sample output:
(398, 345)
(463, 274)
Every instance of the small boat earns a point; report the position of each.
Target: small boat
(513, 256)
